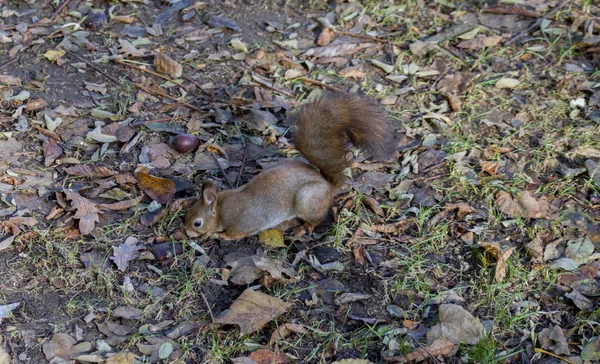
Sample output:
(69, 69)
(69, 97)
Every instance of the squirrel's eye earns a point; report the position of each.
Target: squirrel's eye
(198, 223)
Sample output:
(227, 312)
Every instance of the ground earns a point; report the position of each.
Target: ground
(479, 243)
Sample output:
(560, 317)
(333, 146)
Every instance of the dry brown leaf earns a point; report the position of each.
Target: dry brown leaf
(121, 205)
(89, 171)
(490, 167)
(337, 49)
(524, 205)
(159, 189)
(87, 212)
(129, 49)
(394, 228)
(500, 271)
(439, 347)
(512, 9)
(456, 325)
(167, 65)
(124, 357)
(10, 80)
(283, 331)
(463, 209)
(374, 205)
(479, 43)
(354, 72)
(51, 152)
(266, 356)
(252, 310)
(127, 19)
(535, 249)
(491, 248)
(15, 224)
(325, 37)
(359, 255)
(96, 87)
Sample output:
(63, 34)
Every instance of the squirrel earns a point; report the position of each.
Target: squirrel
(296, 189)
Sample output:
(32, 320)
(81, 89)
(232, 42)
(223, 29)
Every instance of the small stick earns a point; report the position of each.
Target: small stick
(93, 67)
(538, 350)
(222, 171)
(59, 9)
(189, 106)
(361, 36)
(144, 122)
(319, 83)
(237, 183)
(536, 23)
(207, 306)
(9, 62)
(193, 81)
(391, 49)
(119, 61)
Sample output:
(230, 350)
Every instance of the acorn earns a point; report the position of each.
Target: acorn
(96, 19)
(185, 143)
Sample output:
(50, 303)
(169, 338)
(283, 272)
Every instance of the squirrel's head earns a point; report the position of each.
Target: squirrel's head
(203, 215)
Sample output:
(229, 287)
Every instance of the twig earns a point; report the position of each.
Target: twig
(361, 36)
(159, 93)
(193, 81)
(319, 83)
(391, 49)
(119, 61)
(59, 9)
(536, 23)
(93, 67)
(538, 350)
(237, 183)
(144, 122)
(208, 306)
(222, 171)
(9, 62)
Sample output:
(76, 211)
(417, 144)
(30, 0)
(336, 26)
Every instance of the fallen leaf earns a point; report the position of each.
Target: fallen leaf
(272, 237)
(337, 49)
(167, 65)
(500, 271)
(4, 244)
(325, 37)
(535, 249)
(252, 310)
(98, 136)
(263, 356)
(121, 205)
(553, 339)
(51, 152)
(479, 43)
(359, 255)
(90, 171)
(96, 87)
(246, 269)
(129, 49)
(456, 325)
(162, 190)
(507, 83)
(582, 302)
(565, 264)
(524, 205)
(53, 54)
(592, 350)
(579, 250)
(128, 312)
(354, 72)
(283, 331)
(87, 213)
(4, 356)
(439, 347)
(10, 80)
(125, 253)
(61, 346)
(6, 310)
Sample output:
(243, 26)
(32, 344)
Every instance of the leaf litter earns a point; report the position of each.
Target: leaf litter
(475, 174)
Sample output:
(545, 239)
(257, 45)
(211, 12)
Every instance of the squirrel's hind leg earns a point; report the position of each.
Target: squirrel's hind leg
(312, 203)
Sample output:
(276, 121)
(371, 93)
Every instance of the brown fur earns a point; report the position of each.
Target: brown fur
(295, 189)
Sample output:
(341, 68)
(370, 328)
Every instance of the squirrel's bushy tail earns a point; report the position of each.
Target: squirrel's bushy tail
(325, 126)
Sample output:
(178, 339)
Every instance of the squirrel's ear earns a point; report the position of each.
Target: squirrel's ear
(209, 198)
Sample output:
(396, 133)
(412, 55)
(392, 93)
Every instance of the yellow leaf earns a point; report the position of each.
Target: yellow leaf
(53, 54)
(273, 237)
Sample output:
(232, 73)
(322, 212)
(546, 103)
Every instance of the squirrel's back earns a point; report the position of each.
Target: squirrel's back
(325, 126)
